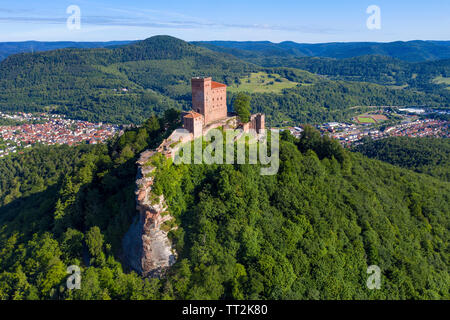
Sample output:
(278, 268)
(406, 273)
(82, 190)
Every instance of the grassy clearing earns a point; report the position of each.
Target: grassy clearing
(262, 82)
(398, 87)
(365, 120)
(441, 80)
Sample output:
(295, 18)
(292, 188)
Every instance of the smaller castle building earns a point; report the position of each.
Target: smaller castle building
(193, 122)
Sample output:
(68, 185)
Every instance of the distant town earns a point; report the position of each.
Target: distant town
(19, 131)
(22, 130)
(385, 122)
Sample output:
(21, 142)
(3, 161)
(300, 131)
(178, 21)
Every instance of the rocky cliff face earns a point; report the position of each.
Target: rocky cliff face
(147, 248)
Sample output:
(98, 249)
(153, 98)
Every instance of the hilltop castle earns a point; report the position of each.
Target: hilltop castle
(147, 247)
(209, 111)
(209, 108)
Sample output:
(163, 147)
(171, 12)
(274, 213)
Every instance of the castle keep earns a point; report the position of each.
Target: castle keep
(209, 98)
(147, 247)
(209, 108)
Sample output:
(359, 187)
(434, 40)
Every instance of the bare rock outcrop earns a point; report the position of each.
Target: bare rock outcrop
(147, 248)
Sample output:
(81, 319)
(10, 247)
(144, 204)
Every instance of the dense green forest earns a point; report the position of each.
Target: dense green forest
(32, 172)
(377, 69)
(88, 83)
(381, 67)
(407, 51)
(333, 101)
(10, 48)
(129, 83)
(308, 232)
(411, 51)
(55, 201)
(425, 155)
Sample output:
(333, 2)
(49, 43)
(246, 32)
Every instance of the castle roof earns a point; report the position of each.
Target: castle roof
(215, 85)
(193, 114)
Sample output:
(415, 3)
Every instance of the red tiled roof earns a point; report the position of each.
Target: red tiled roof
(215, 85)
(193, 114)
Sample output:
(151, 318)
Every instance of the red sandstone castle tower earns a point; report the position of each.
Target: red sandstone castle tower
(209, 98)
(209, 106)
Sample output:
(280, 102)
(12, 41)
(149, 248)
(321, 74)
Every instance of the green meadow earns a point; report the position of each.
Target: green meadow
(442, 80)
(262, 82)
(366, 120)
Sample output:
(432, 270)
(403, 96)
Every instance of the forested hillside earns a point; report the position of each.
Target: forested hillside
(377, 67)
(88, 83)
(328, 100)
(412, 51)
(127, 84)
(57, 195)
(308, 232)
(32, 172)
(425, 155)
(10, 48)
(406, 51)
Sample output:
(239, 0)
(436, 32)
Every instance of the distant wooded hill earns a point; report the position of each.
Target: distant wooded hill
(9, 48)
(412, 51)
(423, 65)
(89, 84)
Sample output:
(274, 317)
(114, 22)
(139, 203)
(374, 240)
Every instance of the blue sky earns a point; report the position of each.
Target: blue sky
(309, 21)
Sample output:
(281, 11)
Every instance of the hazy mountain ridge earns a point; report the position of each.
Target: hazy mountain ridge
(126, 84)
(412, 51)
(9, 48)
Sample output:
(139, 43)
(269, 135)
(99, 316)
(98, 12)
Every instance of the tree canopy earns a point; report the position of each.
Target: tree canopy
(308, 232)
(241, 105)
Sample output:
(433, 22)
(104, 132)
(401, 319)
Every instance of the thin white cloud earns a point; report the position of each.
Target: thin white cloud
(146, 21)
